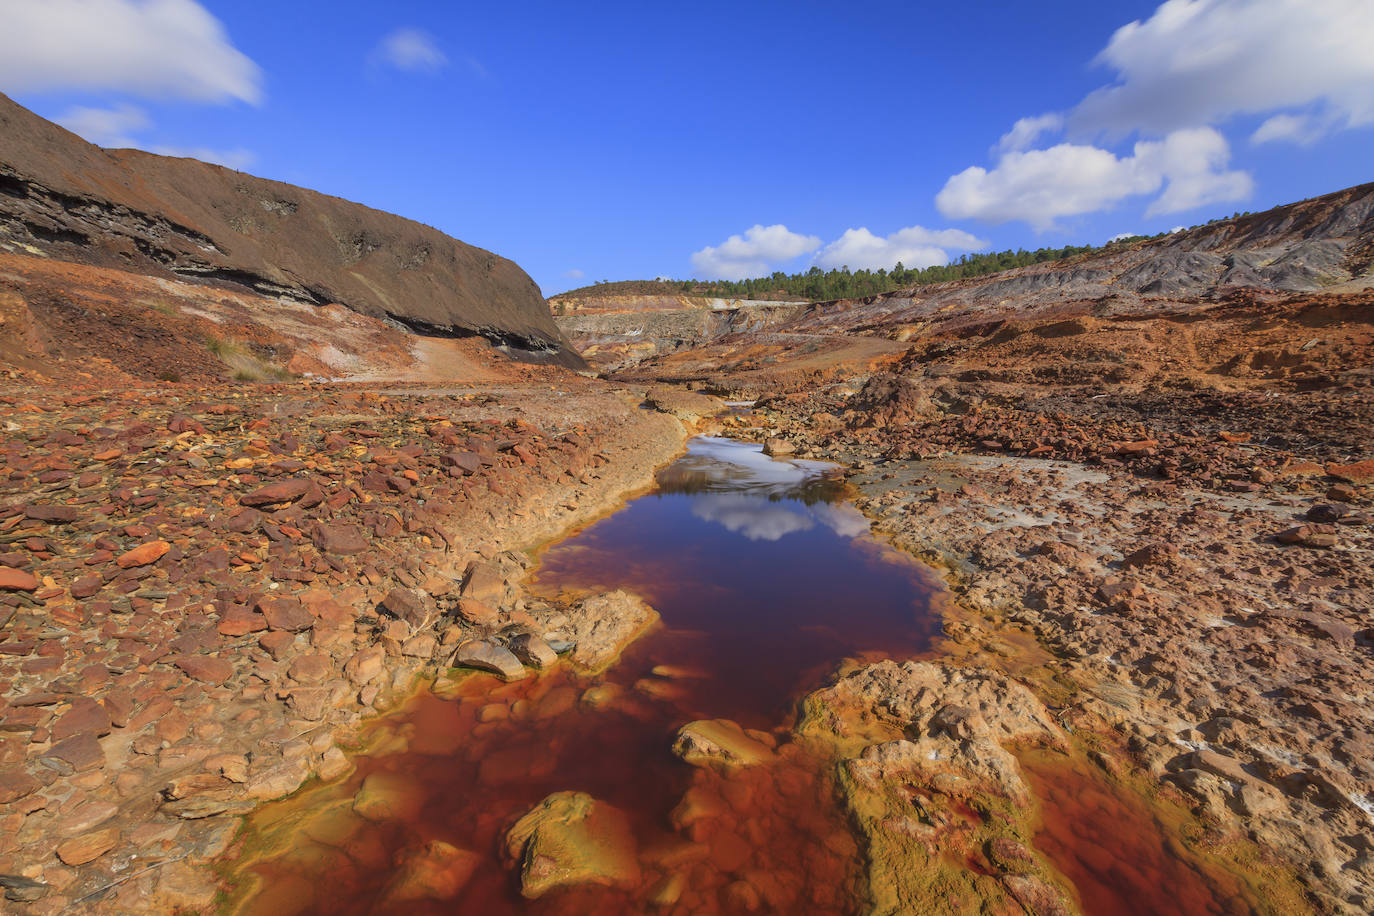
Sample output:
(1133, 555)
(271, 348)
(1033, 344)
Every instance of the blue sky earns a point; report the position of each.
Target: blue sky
(634, 140)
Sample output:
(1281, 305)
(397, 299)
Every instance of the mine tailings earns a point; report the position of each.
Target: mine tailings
(767, 582)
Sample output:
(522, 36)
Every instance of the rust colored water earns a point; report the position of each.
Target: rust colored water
(1124, 858)
(764, 583)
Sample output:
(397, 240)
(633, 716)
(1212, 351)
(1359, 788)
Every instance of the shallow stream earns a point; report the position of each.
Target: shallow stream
(766, 582)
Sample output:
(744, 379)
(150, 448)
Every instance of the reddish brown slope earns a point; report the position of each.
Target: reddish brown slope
(68, 199)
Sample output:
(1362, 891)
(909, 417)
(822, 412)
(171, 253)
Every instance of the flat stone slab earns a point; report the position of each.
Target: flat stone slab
(487, 656)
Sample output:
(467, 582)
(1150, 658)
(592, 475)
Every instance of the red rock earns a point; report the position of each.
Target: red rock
(365, 665)
(85, 715)
(55, 515)
(240, 621)
(1150, 555)
(286, 614)
(16, 784)
(143, 554)
(339, 538)
(88, 848)
(206, 668)
(474, 611)
(484, 583)
(311, 669)
(16, 580)
(82, 752)
(1359, 472)
(120, 704)
(1342, 492)
(1139, 447)
(86, 587)
(408, 604)
(276, 643)
(280, 493)
(465, 462)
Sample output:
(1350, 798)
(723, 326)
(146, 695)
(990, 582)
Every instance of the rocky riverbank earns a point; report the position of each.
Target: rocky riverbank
(204, 591)
(1199, 600)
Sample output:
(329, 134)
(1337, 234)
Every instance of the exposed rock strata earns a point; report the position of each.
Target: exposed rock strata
(63, 197)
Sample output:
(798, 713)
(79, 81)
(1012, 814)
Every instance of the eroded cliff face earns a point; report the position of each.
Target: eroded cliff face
(618, 332)
(64, 198)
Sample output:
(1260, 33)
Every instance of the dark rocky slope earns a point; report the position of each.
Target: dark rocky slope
(65, 198)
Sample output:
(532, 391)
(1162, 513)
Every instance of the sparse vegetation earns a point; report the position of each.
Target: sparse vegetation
(244, 364)
(842, 283)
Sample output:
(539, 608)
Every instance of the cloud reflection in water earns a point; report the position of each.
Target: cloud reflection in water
(735, 485)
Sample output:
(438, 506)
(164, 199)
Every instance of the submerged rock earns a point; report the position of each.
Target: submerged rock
(719, 743)
(570, 838)
(385, 796)
(435, 871)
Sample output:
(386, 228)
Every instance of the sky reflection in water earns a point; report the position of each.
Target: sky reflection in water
(763, 499)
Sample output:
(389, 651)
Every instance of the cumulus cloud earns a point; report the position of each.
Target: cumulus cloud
(412, 50)
(1192, 65)
(1026, 131)
(914, 246)
(151, 48)
(109, 127)
(1040, 186)
(1302, 129)
(1202, 61)
(753, 254)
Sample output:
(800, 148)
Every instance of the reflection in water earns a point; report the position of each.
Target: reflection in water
(714, 465)
(736, 485)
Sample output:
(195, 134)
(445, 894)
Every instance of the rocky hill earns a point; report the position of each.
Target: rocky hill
(1322, 245)
(66, 199)
(1325, 244)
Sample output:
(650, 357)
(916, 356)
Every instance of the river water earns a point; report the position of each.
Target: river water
(766, 582)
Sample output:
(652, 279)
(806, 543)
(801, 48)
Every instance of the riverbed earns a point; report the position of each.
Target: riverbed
(767, 583)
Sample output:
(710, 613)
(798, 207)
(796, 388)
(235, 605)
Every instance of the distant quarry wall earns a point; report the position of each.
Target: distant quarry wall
(616, 332)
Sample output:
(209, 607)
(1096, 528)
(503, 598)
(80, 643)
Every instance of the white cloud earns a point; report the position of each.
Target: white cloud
(1026, 131)
(412, 50)
(756, 518)
(1039, 186)
(1191, 65)
(1193, 165)
(1302, 129)
(237, 158)
(152, 48)
(753, 254)
(1202, 61)
(914, 246)
(108, 127)
(114, 128)
(574, 274)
